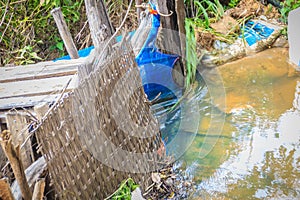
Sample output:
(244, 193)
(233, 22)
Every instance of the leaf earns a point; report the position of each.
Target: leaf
(60, 46)
(35, 56)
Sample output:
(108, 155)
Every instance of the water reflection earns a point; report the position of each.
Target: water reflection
(257, 153)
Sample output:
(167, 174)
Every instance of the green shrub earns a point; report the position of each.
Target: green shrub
(27, 29)
(288, 6)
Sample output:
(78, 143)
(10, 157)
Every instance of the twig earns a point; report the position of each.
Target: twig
(86, 41)
(78, 36)
(6, 27)
(3, 18)
(149, 189)
(27, 111)
(12, 3)
(57, 101)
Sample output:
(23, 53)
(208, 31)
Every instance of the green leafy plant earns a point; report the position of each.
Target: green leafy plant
(205, 12)
(191, 57)
(27, 55)
(22, 23)
(59, 45)
(124, 191)
(208, 11)
(288, 6)
(233, 3)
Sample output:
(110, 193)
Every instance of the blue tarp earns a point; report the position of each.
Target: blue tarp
(156, 67)
(85, 52)
(82, 53)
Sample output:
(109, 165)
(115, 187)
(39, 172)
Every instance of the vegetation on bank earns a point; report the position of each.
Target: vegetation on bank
(28, 33)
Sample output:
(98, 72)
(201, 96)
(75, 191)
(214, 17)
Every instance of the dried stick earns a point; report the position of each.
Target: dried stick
(13, 155)
(6, 27)
(38, 192)
(6, 9)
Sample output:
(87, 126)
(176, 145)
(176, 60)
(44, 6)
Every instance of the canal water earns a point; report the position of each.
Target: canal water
(240, 136)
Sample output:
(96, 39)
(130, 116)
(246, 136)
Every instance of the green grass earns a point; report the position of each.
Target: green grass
(191, 55)
(205, 13)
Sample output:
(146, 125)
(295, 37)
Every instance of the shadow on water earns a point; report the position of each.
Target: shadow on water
(256, 155)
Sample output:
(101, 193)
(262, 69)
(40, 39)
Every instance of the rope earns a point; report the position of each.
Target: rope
(147, 5)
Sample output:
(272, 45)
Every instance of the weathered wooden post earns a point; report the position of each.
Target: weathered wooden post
(172, 36)
(180, 11)
(98, 21)
(14, 157)
(16, 123)
(64, 32)
(38, 192)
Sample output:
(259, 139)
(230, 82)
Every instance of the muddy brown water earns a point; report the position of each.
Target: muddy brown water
(256, 152)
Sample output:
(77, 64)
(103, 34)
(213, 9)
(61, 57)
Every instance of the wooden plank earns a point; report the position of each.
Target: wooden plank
(51, 62)
(17, 123)
(38, 71)
(13, 154)
(36, 87)
(25, 102)
(33, 173)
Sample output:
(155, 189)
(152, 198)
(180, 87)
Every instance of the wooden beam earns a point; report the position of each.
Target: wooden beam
(14, 157)
(17, 125)
(12, 74)
(65, 33)
(25, 102)
(138, 9)
(33, 174)
(98, 21)
(179, 7)
(168, 38)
